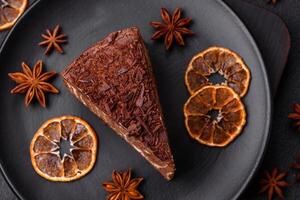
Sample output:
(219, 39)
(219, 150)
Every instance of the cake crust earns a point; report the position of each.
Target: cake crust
(114, 79)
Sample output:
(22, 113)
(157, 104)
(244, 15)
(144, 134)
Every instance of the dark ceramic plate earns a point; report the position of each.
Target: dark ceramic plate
(202, 172)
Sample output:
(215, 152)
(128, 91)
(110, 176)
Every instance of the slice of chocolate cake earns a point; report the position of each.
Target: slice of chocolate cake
(114, 79)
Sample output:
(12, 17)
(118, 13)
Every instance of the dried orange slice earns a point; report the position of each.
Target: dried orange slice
(10, 11)
(218, 60)
(215, 115)
(45, 153)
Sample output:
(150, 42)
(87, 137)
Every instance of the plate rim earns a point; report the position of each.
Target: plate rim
(269, 100)
(269, 108)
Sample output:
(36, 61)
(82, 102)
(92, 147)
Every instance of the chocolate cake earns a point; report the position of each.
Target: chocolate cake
(114, 79)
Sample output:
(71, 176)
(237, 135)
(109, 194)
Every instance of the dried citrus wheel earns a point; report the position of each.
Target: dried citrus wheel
(10, 11)
(215, 115)
(46, 155)
(218, 60)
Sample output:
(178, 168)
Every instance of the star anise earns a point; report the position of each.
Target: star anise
(33, 83)
(273, 1)
(273, 183)
(173, 27)
(296, 166)
(53, 40)
(296, 115)
(123, 187)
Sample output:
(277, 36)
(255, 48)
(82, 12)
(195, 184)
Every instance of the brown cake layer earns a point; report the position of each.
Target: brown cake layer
(114, 79)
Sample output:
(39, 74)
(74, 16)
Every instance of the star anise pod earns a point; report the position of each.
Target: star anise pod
(296, 166)
(33, 83)
(172, 28)
(53, 40)
(273, 1)
(273, 183)
(296, 115)
(123, 187)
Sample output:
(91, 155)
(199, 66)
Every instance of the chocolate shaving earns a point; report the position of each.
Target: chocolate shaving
(139, 101)
(104, 87)
(143, 124)
(122, 71)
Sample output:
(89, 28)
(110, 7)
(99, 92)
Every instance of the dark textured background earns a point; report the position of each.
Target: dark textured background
(284, 141)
